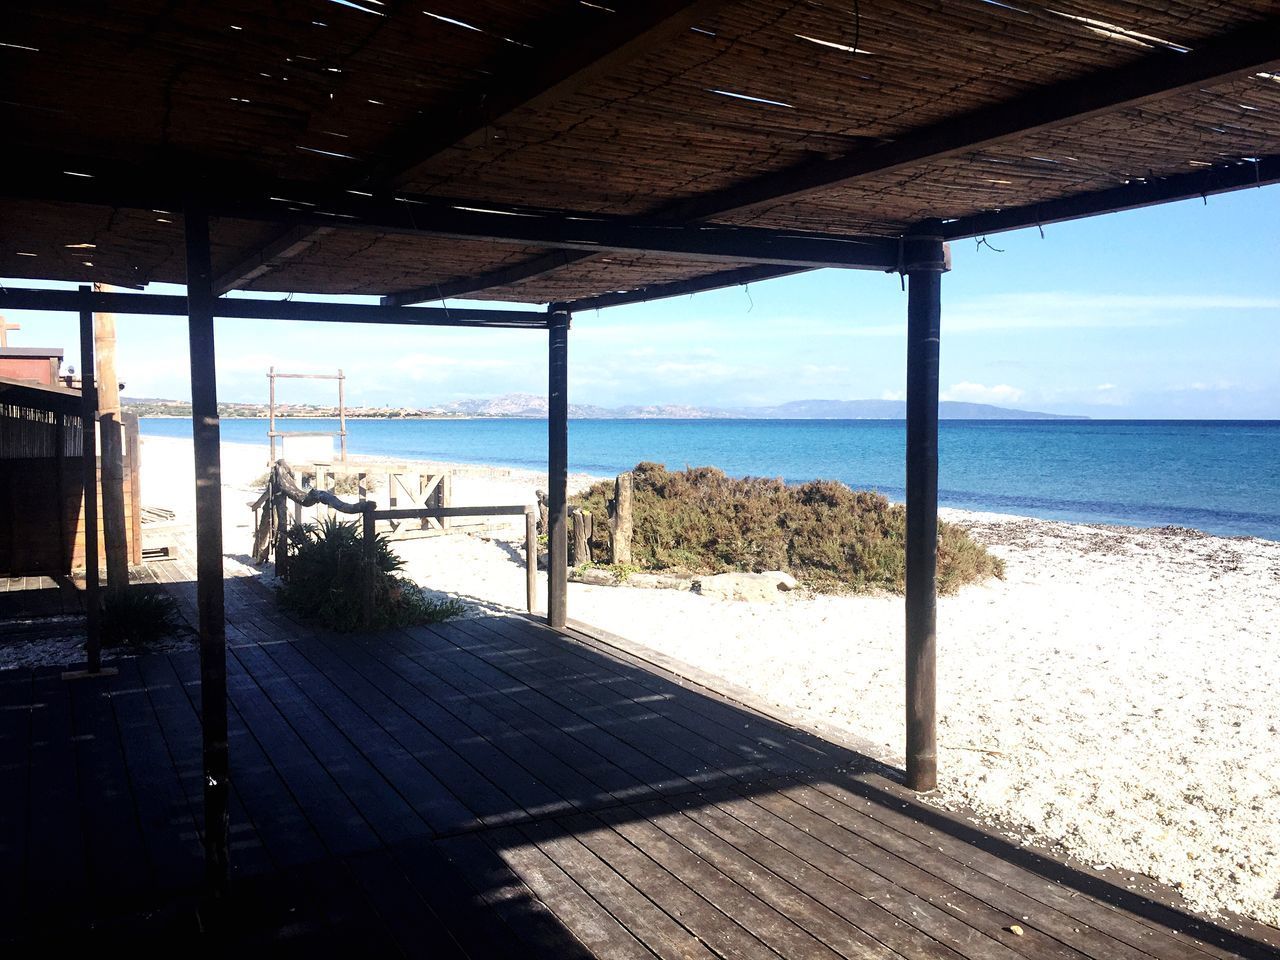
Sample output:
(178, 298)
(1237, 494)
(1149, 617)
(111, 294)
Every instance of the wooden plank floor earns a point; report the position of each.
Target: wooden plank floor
(491, 788)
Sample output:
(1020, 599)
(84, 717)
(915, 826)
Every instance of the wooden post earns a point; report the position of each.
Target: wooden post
(581, 536)
(89, 419)
(115, 537)
(530, 561)
(557, 468)
(65, 548)
(370, 559)
(271, 410)
(280, 504)
(133, 457)
(209, 586)
(924, 312)
(342, 415)
(620, 521)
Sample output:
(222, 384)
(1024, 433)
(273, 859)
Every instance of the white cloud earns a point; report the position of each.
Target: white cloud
(980, 393)
(697, 371)
(1053, 310)
(437, 368)
(1056, 310)
(816, 371)
(893, 395)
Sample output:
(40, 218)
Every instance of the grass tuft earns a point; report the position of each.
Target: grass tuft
(138, 617)
(828, 536)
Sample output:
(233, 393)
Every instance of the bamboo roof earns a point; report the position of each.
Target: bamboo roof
(835, 116)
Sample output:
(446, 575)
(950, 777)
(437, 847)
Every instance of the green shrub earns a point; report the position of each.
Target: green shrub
(832, 538)
(324, 581)
(138, 617)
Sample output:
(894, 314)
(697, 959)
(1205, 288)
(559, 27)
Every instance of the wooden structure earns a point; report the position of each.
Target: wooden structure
(42, 516)
(38, 365)
(273, 434)
(41, 487)
(132, 501)
(584, 156)
(492, 788)
(271, 525)
(405, 487)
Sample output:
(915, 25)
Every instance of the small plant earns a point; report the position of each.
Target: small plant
(324, 581)
(138, 617)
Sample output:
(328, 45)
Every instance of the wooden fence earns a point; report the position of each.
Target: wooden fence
(42, 491)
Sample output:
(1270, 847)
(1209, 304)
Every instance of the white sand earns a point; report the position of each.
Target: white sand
(1114, 697)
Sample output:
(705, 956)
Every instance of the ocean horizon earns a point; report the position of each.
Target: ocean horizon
(1219, 476)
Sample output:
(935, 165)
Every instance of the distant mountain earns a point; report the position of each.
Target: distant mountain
(530, 405)
(533, 406)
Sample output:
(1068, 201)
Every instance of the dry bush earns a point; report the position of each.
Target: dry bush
(832, 538)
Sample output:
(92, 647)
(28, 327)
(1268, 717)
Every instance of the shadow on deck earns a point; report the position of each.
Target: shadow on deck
(492, 788)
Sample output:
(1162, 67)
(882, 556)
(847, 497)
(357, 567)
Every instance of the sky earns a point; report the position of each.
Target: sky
(1168, 312)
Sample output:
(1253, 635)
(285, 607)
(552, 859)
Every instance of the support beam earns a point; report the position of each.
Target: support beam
(1134, 195)
(89, 439)
(580, 232)
(259, 309)
(680, 288)
(585, 48)
(209, 585)
(1240, 53)
(501, 277)
(558, 468)
(924, 272)
(288, 244)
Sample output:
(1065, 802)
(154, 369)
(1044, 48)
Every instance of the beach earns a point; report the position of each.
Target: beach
(1112, 699)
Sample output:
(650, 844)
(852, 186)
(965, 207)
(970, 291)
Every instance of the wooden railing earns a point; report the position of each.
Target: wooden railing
(283, 487)
(372, 516)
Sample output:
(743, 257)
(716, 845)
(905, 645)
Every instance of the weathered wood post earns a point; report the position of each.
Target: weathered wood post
(581, 535)
(925, 259)
(620, 519)
(89, 419)
(280, 504)
(342, 415)
(209, 586)
(543, 514)
(115, 538)
(271, 410)
(557, 466)
(65, 537)
(369, 544)
(133, 457)
(530, 560)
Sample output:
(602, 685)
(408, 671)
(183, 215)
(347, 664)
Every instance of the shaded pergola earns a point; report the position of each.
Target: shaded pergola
(583, 156)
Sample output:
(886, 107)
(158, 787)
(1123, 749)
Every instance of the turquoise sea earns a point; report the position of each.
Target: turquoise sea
(1219, 476)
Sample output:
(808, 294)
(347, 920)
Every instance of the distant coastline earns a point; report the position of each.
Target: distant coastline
(528, 406)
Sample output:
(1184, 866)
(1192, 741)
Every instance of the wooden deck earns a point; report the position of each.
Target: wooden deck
(490, 788)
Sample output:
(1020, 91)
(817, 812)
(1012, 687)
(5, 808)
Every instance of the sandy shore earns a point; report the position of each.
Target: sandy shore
(1114, 697)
